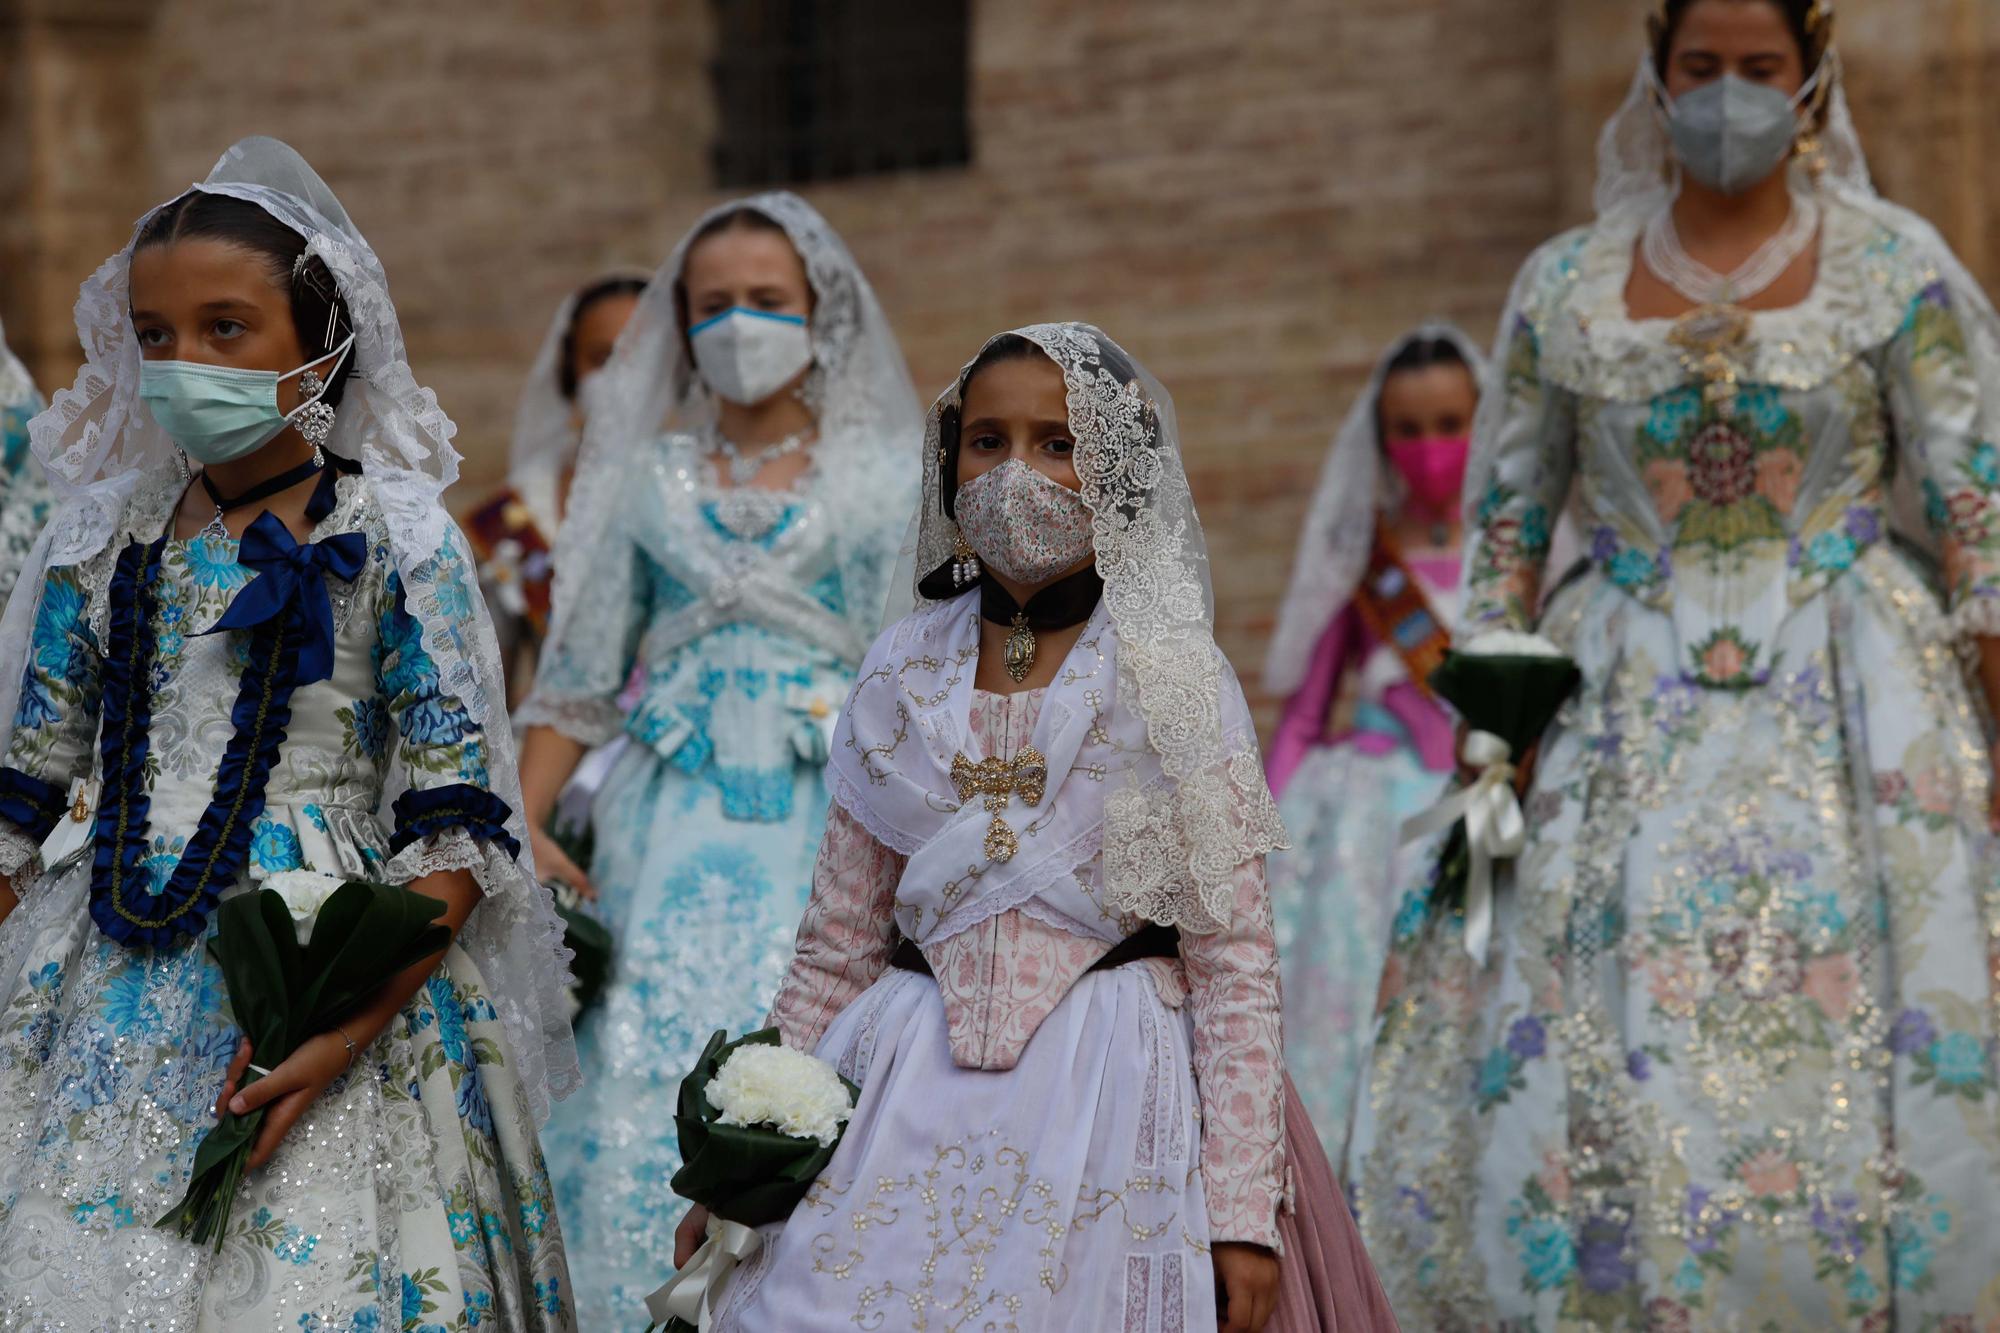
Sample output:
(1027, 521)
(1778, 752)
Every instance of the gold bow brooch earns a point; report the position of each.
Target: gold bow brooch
(1025, 775)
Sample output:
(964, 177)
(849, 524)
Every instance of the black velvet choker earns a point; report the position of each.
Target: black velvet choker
(1068, 601)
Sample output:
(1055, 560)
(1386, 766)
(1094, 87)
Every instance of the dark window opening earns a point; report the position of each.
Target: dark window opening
(817, 90)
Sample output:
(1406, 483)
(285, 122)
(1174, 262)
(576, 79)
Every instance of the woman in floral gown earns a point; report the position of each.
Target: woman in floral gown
(300, 681)
(1730, 1063)
(737, 563)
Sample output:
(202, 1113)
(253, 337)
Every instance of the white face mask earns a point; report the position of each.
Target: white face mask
(1022, 524)
(591, 394)
(748, 355)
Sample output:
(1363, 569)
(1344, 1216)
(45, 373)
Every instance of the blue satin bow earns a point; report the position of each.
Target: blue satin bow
(291, 581)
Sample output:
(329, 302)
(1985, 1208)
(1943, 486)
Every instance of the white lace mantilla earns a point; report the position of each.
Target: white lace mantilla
(1182, 817)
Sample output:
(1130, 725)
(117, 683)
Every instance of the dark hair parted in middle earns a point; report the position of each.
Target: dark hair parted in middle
(317, 305)
(603, 289)
(1809, 21)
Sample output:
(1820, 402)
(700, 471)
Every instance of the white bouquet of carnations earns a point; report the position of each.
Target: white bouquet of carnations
(1507, 686)
(758, 1122)
(304, 893)
(796, 1094)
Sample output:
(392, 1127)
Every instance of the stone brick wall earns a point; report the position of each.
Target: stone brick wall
(1253, 196)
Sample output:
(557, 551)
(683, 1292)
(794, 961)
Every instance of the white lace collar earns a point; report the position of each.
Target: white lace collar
(1591, 346)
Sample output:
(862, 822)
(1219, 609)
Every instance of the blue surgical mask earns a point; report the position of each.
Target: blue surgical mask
(748, 355)
(217, 413)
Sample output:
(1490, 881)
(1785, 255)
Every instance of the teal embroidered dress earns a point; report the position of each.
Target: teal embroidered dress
(732, 609)
(1731, 1063)
(242, 736)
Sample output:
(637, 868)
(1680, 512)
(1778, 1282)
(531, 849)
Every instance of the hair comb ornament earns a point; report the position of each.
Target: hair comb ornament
(1818, 20)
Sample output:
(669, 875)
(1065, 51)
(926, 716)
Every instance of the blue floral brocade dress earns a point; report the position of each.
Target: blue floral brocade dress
(411, 1195)
(705, 832)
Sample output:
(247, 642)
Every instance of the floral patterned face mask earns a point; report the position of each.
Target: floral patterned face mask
(1022, 524)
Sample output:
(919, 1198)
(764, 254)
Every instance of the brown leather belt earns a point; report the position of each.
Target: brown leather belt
(1154, 941)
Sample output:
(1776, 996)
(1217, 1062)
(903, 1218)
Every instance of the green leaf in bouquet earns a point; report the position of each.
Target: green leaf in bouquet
(254, 971)
(590, 940)
(364, 934)
(280, 994)
(1514, 698)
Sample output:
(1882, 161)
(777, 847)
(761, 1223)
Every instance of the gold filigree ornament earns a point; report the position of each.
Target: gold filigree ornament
(1018, 655)
(1711, 341)
(995, 780)
(1819, 20)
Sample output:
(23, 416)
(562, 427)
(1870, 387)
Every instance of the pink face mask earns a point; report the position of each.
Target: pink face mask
(1434, 470)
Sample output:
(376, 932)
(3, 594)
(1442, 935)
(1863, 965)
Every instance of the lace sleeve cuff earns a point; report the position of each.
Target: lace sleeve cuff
(590, 722)
(459, 827)
(1976, 617)
(18, 853)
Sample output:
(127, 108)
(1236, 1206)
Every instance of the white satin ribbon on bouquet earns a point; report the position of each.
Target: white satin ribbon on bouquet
(696, 1291)
(1495, 829)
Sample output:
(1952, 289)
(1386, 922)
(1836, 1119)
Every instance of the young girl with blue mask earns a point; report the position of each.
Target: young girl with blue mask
(747, 474)
(254, 657)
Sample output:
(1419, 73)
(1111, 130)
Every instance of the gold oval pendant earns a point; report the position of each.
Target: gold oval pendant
(1019, 655)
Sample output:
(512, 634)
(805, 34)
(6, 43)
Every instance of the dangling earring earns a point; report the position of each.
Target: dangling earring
(187, 469)
(965, 562)
(1809, 151)
(316, 422)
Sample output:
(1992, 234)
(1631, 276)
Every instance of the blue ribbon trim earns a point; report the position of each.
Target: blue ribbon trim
(291, 583)
(430, 811)
(120, 899)
(30, 804)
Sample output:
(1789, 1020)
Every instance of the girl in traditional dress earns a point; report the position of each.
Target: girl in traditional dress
(1731, 1060)
(1362, 744)
(740, 562)
(24, 491)
(1039, 939)
(260, 652)
(513, 531)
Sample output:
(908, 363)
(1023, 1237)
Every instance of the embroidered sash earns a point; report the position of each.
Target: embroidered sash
(1391, 602)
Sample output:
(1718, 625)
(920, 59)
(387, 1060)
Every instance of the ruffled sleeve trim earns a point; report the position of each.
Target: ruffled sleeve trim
(424, 814)
(31, 805)
(590, 721)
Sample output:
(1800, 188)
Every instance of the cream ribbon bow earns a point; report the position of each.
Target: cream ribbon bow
(1495, 829)
(696, 1291)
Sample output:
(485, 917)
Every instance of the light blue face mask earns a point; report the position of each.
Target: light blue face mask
(217, 413)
